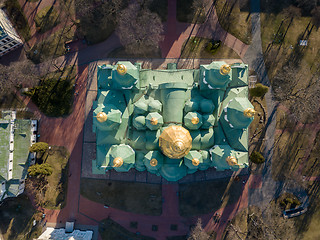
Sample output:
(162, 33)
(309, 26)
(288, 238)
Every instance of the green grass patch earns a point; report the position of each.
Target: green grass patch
(53, 46)
(18, 18)
(17, 215)
(234, 17)
(51, 191)
(110, 230)
(46, 19)
(4, 149)
(54, 95)
(116, 194)
(186, 13)
(197, 47)
(196, 199)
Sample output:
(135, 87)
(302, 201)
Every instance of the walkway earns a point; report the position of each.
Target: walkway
(177, 33)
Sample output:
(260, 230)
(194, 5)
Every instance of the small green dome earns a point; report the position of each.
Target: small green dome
(235, 113)
(112, 117)
(139, 122)
(214, 78)
(193, 159)
(193, 120)
(122, 157)
(153, 160)
(191, 106)
(155, 106)
(206, 106)
(208, 121)
(140, 107)
(124, 75)
(154, 121)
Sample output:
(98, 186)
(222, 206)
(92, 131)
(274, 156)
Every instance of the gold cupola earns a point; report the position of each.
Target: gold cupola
(249, 112)
(102, 117)
(154, 121)
(195, 161)
(231, 161)
(225, 69)
(117, 162)
(195, 120)
(175, 142)
(122, 69)
(153, 162)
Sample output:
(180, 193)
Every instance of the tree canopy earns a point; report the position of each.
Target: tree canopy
(41, 170)
(40, 147)
(259, 90)
(257, 157)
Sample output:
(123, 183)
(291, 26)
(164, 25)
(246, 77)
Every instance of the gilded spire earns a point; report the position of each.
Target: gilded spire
(249, 112)
(102, 117)
(231, 161)
(225, 69)
(195, 162)
(195, 120)
(122, 69)
(117, 162)
(154, 121)
(153, 162)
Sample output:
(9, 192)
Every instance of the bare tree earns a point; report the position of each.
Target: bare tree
(316, 17)
(292, 12)
(139, 29)
(307, 5)
(198, 233)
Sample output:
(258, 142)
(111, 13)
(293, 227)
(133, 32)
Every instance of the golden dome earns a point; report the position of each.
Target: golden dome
(117, 162)
(122, 69)
(175, 142)
(249, 112)
(195, 120)
(102, 117)
(195, 162)
(153, 162)
(225, 69)
(231, 161)
(154, 121)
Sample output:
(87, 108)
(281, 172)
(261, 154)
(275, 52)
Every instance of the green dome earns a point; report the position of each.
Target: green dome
(193, 120)
(172, 172)
(140, 107)
(139, 122)
(112, 117)
(219, 156)
(124, 75)
(126, 156)
(235, 113)
(193, 159)
(191, 106)
(155, 106)
(154, 121)
(208, 121)
(153, 160)
(206, 106)
(213, 78)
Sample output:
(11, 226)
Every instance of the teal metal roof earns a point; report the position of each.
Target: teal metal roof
(141, 103)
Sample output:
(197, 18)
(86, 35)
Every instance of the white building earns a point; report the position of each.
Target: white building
(9, 39)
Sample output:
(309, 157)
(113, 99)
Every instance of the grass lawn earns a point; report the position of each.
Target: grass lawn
(54, 95)
(11, 101)
(185, 13)
(46, 19)
(110, 230)
(118, 194)
(54, 187)
(197, 199)
(122, 53)
(53, 46)
(17, 215)
(196, 48)
(18, 18)
(234, 17)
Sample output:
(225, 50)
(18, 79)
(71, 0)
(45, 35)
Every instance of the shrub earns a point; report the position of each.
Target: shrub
(259, 90)
(40, 147)
(213, 46)
(41, 170)
(257, 157)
